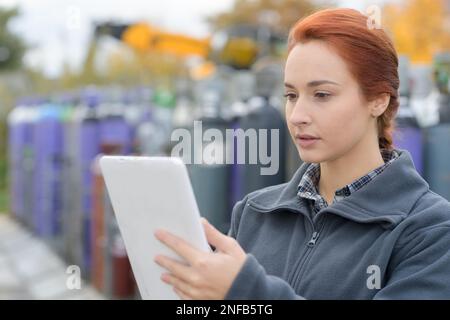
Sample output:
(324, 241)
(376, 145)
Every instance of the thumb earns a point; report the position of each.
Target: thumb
(215, 237)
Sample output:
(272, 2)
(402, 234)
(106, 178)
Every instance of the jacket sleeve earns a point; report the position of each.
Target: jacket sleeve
(421, 267)
(252, 281)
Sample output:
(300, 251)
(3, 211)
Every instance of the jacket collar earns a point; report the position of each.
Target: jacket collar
(387, 199)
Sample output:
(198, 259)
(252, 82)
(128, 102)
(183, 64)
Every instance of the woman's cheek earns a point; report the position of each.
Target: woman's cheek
(337, 135)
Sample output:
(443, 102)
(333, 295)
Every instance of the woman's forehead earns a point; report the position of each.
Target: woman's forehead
(312, 62)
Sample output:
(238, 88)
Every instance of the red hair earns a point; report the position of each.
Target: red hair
(369, 54)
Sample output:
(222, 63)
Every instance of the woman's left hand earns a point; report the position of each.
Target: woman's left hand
(209, 275)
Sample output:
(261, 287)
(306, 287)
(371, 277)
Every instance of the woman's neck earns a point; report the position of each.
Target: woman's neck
(336, 174)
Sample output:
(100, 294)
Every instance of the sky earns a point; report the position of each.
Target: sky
(60, 30)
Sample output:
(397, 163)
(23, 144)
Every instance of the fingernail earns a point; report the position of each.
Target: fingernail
(159, 234)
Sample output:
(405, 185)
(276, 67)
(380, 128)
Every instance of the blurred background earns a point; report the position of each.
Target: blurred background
(79, 79)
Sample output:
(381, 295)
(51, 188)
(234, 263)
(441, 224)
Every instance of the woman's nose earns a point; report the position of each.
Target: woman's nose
(299, 114)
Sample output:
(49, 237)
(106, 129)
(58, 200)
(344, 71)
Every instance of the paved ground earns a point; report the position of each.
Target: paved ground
(30, 270)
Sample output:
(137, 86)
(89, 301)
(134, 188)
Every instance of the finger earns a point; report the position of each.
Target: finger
(180, 270)
(181, 294)
(215, 237)
(178, 284)
(177, 244)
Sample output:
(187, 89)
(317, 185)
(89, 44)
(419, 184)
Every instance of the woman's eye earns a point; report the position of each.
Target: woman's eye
(322, 95)
(290, 96)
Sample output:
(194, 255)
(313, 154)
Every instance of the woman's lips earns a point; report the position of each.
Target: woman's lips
(306, 142)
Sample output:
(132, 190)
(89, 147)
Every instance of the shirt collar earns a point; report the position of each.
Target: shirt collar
(388, 199)
(307, 188)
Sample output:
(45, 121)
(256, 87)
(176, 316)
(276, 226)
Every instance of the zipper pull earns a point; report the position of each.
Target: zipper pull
(313, 240)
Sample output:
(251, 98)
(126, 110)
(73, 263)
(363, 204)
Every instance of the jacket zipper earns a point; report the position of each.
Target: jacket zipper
(313, 240)
(299, 266)
(299, 270)
(310, 244)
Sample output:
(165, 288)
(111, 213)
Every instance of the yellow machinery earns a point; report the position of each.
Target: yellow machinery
(238, 51)
(144, 37)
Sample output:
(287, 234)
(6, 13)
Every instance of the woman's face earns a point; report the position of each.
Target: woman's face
(325, 101)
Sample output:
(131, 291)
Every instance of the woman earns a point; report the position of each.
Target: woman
(356, 221)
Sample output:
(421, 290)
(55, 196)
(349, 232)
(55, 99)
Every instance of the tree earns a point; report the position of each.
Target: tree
(419, 28)
(12, 47)
(279, 14)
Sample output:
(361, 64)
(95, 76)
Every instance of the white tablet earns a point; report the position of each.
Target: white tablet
(148, 193)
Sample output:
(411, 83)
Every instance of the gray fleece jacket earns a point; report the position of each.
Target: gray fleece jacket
(388, 240)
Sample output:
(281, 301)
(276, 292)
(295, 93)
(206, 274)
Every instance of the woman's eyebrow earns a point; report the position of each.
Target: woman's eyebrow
(314, 83)
(288, 85)
(319, 82)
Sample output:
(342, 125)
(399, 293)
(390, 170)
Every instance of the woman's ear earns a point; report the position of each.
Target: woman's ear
(380, 105)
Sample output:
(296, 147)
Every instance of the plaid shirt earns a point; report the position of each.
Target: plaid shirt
(307, 186)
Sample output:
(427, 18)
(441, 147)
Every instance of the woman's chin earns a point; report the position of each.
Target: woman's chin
(310, 156)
